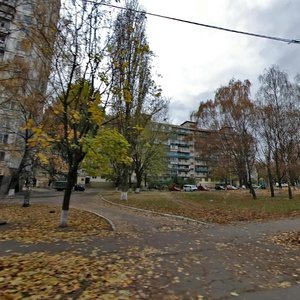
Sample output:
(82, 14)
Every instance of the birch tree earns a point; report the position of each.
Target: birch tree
(277, 94)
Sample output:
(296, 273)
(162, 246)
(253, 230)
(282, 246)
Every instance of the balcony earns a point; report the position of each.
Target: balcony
(179, 155)
(183, 132)
(2, 42)
(184, 155)
(184, 162)
(8, 6)
(183, 169)
(185, 150)
(172, 173)
(201, 169)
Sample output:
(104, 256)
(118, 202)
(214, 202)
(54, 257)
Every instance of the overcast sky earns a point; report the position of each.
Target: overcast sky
(194, 61)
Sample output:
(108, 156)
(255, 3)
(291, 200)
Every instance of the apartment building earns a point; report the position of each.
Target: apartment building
(184, 160)
(24, 71)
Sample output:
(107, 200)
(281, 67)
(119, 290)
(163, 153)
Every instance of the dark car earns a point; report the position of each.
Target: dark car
(79, 187)
(203, 188)
(174, 188)
(60, 185)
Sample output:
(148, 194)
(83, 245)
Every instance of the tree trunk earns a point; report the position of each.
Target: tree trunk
(71, 180)
(289, 184)
(290, 192)
(64, 218)
(124, 184)
(124, 196)
(145, 180)
(270, 177)
(277, 168)
(139, 179)
(288, 176)
(26, 201)
(15, 179)
(272, 191)
(252, 191)
(13, 182)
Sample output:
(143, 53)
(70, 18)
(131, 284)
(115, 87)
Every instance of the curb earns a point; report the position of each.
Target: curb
(112, 225)
(157, 213)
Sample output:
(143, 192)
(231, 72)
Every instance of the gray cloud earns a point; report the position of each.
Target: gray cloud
(195, 61)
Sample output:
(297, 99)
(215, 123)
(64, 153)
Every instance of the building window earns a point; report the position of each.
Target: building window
(2, 40)
(2, 155)
(7, 124)
(27, 20)
(11, 105)
(28, 6)
(4, 24)
(3, 138)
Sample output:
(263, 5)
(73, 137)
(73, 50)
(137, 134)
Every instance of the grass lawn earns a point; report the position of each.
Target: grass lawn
(215, 206)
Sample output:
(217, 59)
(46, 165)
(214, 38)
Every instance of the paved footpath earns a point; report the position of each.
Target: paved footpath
(216, 261)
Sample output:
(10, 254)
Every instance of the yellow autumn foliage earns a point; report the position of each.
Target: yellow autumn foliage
(107, 146)
(42, 158)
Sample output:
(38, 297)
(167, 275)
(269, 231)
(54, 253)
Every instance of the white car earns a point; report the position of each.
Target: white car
(189, 188)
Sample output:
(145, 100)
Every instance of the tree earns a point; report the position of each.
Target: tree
(75, 103)
(74, 127)
(136, 99)
(231, 115)
(149, 152)
(267, 142)
(23, 82)
(101, 150)
(281, 115)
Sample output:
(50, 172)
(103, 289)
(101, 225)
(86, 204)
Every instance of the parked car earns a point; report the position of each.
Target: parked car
(282, 184)
(231, 187)
(189, 188)
(79, 187)
(60, 185)
(255, 186)
(219, 187)
(174, 187)
(203, 188)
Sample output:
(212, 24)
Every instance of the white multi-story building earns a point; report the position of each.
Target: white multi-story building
(184, 160)
(27, 28)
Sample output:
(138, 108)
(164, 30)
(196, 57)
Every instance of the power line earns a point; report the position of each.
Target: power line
(289, 41)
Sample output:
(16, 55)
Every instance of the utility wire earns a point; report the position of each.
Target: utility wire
(289, 41)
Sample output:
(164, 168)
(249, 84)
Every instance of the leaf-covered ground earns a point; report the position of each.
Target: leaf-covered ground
(132, 272)
(220, 207)
(39, 223)
(215, 206)
(76, 274)
(290, 239)
(70, 275)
